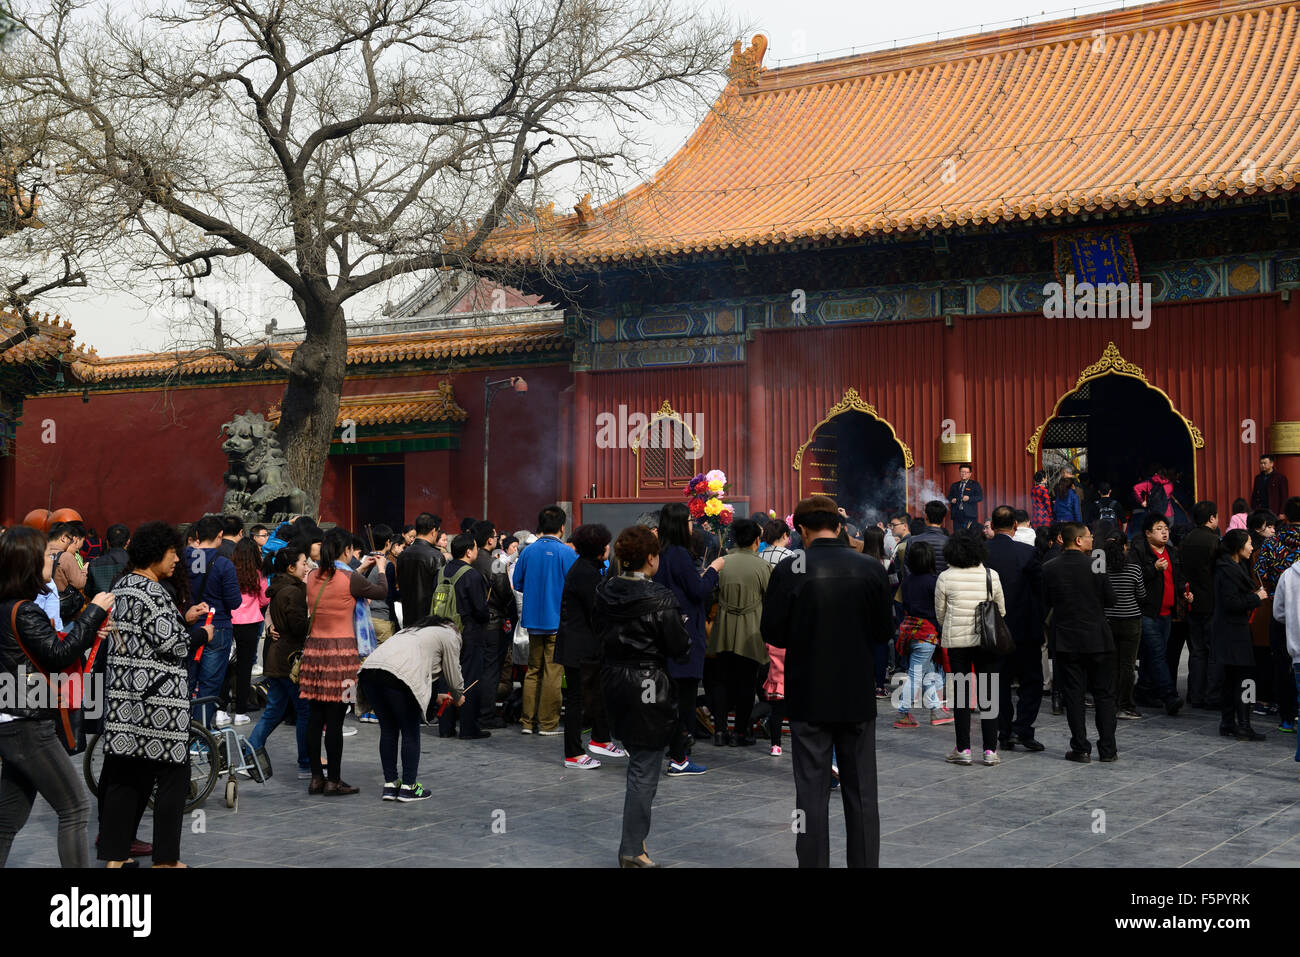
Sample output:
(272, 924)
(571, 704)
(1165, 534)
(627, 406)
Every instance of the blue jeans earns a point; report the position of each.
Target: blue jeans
(923, 679)
(281, 695)
(1153, 670)
(212, 668)
(1296, 669)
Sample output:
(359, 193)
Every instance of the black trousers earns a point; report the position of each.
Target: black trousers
(492, 650)
(583, 701)
(471, 670)
(399, 723)
(1094, 673)
(738, 677)
(239, 676)
(981, 670)
(854, 746)
(1026, 664)
(687, 691)
(1234, 692)
(126, 784)
(327, 716)
(1202, 685)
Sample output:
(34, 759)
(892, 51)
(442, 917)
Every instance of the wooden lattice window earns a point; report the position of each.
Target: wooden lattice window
(667, 452)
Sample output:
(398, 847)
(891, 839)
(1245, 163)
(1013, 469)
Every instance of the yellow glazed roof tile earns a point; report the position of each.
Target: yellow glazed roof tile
(1161, 103)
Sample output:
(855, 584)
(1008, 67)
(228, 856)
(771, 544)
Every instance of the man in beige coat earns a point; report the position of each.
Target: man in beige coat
(735, 638)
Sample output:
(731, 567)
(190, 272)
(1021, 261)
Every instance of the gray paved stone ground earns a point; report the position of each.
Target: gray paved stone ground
(1180, 795)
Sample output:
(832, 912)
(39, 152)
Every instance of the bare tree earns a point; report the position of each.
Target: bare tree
(338, 143)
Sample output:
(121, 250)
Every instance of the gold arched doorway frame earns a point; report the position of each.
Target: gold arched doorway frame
(1112, 363)
(853, 402)
(665, 412)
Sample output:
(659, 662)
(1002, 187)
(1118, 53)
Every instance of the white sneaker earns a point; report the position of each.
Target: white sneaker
(556, 731)
(349, 732)
(242, 719)
(583, 762)
(608, 748)
(991, 758)
(257, 670)
(222, 719)
(775, 751)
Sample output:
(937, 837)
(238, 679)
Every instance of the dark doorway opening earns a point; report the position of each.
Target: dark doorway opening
(1120, 430)
(378, 495)
(857, 459)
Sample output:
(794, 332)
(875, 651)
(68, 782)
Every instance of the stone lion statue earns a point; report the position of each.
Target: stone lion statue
(257, 482)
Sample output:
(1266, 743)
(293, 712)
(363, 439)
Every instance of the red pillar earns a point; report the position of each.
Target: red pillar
(756, 484)
(1287, 379)
(581, 432)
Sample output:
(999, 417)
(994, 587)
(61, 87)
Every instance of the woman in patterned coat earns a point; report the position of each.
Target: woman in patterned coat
(147, 725)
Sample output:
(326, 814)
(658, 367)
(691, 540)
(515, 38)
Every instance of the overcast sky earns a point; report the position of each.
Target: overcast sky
(132, 320)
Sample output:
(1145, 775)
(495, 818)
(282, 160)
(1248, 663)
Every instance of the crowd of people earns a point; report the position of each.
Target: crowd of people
(640, 645)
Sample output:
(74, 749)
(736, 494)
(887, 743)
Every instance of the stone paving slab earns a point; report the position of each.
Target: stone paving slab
(1180, 795)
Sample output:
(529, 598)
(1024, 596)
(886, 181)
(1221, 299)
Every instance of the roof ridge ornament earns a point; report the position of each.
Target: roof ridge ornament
(746, 64)
(586, 215)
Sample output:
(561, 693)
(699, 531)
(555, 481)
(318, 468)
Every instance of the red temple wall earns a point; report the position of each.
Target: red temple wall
(132, 456)
(997, 378)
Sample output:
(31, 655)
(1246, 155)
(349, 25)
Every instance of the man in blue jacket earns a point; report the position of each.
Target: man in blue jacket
(212, 580)
(539, 577)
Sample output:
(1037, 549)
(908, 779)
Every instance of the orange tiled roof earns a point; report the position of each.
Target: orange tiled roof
(368, 350)
(395, 408)
(53, 340)
(1162, 103)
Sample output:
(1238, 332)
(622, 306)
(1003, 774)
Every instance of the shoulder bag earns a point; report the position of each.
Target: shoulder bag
(990, 626)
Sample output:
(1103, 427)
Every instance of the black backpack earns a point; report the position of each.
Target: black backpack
(1108, 511)
(1157, 500)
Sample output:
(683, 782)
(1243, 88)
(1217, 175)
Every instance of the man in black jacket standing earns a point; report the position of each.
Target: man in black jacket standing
(829, 607)
(964, 499)
(1198, 552)
(471, 605)
(501, 605)
(1078, 594)
(417, 569)
(1021, 574)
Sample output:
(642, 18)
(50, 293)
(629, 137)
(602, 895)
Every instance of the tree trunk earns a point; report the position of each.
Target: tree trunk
(309, 411)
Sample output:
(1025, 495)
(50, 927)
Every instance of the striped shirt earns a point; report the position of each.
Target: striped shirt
(1129, 587)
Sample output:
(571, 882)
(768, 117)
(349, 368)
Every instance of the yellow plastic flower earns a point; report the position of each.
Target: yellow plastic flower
(713, 506)
(715, 486)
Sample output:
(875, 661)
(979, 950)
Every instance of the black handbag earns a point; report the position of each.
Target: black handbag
(990, 626)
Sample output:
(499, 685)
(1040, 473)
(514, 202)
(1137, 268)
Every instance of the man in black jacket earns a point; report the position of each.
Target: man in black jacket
(829, 607)
(1198, 554)
(1021, 574)
(1078, 594)
(471, 605)
(964, 499)
(501, 606)
(1162, 576)
(417, 569)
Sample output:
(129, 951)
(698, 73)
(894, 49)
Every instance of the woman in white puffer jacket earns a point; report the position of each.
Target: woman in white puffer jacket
(963, 585)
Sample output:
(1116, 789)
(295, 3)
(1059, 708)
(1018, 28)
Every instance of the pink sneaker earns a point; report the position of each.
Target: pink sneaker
(775, 750)
(940, 716)
(906, 721)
